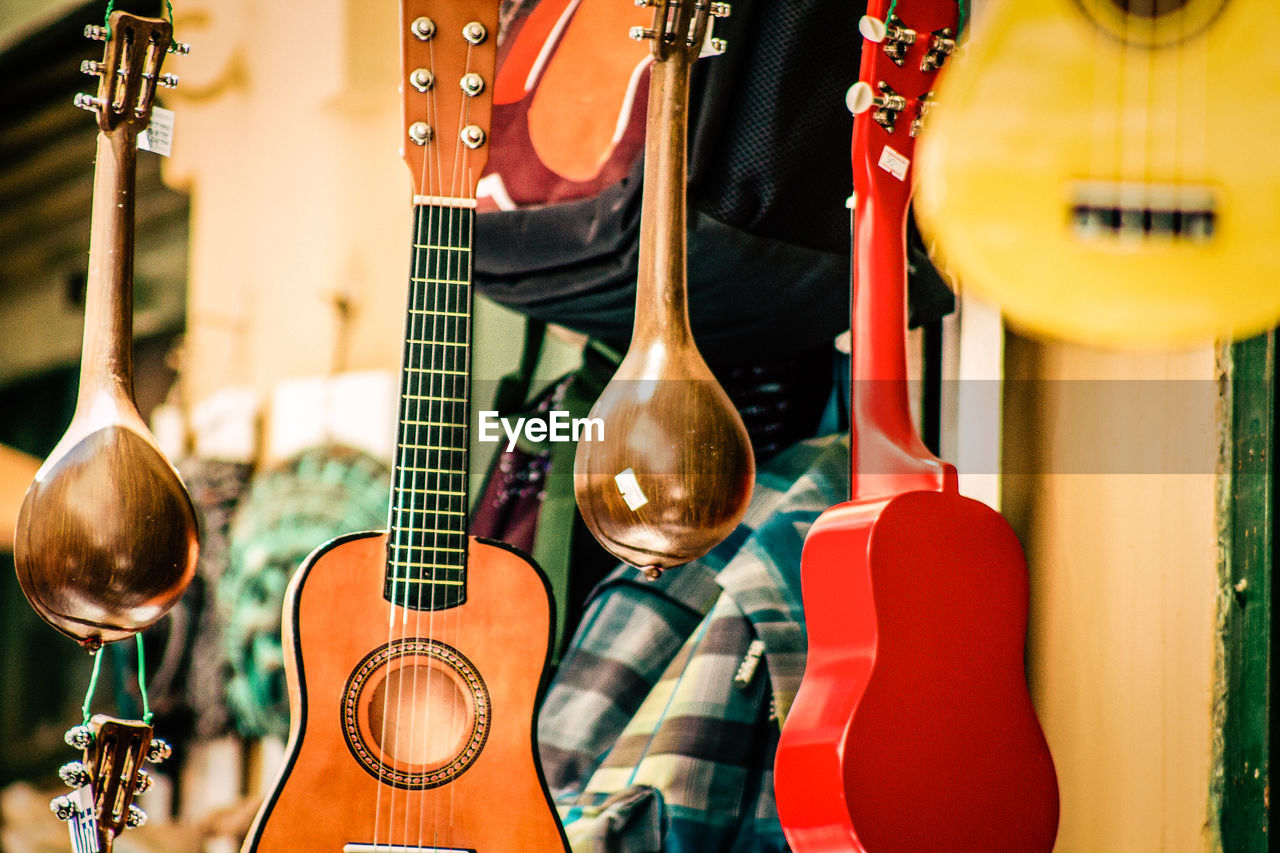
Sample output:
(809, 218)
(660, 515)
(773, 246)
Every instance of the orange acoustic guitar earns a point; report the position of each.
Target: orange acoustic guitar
(418, 654)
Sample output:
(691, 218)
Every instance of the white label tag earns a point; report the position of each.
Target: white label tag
(83, 826)
(629, 486)
(158, 137)
(894, 163)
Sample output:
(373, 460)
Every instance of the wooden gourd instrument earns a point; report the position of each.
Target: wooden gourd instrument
(913, 728)
(415, 657)
(674, 473)
(106, 538)
(1086, 176)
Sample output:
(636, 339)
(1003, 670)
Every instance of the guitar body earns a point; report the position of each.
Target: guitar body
(916, 610)
(459, 688)
(1058, 107)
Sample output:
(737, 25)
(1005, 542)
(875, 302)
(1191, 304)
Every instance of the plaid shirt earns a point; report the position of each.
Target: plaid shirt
(659, 730)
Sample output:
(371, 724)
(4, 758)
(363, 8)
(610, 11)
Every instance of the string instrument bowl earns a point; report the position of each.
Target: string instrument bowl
(673, 474)
(106, 540)
(675, 429)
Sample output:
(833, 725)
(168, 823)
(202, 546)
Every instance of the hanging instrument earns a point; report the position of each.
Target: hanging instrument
(414, 657)
(913, 728)
(673, 475)
(106, 538)
(1082, 172)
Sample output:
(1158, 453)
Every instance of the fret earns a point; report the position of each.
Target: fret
(435, 373)
(435, 399)
(435, 247)
(437, 343)
(433, 313)
(446, 471)
(426, 279)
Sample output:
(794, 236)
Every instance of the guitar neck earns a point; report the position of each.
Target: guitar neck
(427, 533)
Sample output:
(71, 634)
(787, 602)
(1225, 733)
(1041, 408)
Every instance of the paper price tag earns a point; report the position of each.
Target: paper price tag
(158, 137)
(629, 486)
(894, 163)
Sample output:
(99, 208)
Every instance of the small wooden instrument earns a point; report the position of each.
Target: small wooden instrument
(1080, 173)
(415, 657)
(912, 729)
(674, 473)
(106, 780)
(106, 538)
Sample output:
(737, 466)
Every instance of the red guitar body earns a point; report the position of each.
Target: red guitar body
(913, 729)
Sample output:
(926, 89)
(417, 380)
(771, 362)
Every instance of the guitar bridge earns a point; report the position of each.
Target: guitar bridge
(1101, 210)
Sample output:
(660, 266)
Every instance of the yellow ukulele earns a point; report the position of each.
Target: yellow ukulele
(1105, 169)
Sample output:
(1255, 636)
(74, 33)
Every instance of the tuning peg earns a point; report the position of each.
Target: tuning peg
(158, 751)
(95, 32)
(75, 774)
(169, 81)
(720, 10)
(78, 737)
(472, 136)
(87, 102)
(716, 46)
(472, 84)
(941, 45)
(143, 782)
(136, 817)
(872, 29)
(861, 97)
(62, 807)
(641, 33)
(179, 48)
(90, 66)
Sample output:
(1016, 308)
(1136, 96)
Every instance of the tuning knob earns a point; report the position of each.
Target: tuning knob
(90, 66)
(62, 807)
(95, 32)
(179, 48)
(143, 782)
(641, 33)
(75, 774)
(78, 737)
(158, 751)
(721, 10)
(861, 97)
(169, 81)
(872, 29)
(136, 817)
(87, 102)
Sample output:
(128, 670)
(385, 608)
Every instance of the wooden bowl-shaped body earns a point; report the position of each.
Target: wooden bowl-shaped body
(106, 538)
(673, 475)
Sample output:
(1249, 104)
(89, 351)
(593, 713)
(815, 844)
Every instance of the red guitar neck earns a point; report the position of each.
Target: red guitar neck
(888, 456)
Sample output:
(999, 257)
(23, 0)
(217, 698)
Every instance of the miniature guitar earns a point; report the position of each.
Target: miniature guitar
(1080, 173)
(673, 475)
(106, 538)
(415, 657)
(106, 780)
(913, 728)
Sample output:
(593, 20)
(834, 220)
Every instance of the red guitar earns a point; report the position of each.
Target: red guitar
(417, 654)
(913, 729)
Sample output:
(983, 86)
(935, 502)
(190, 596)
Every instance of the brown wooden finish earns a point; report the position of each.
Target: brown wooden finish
(666, 418)
(444, 166)
(335, 616)
(106, 537)
(114, 758)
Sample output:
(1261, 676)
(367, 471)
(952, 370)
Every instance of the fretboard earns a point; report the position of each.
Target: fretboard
(427, 532)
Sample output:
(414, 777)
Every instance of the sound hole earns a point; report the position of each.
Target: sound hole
(1150, 8)
(419, 715)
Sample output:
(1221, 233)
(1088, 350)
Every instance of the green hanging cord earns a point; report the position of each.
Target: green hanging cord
(889, 15)
(93, 684)
(964, 16)
(106, 19)
(142, 682)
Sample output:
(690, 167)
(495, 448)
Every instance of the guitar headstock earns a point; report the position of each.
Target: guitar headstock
(681, 28)
(906, 45)
(111, 772)
(448, 51)
(129, 71)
